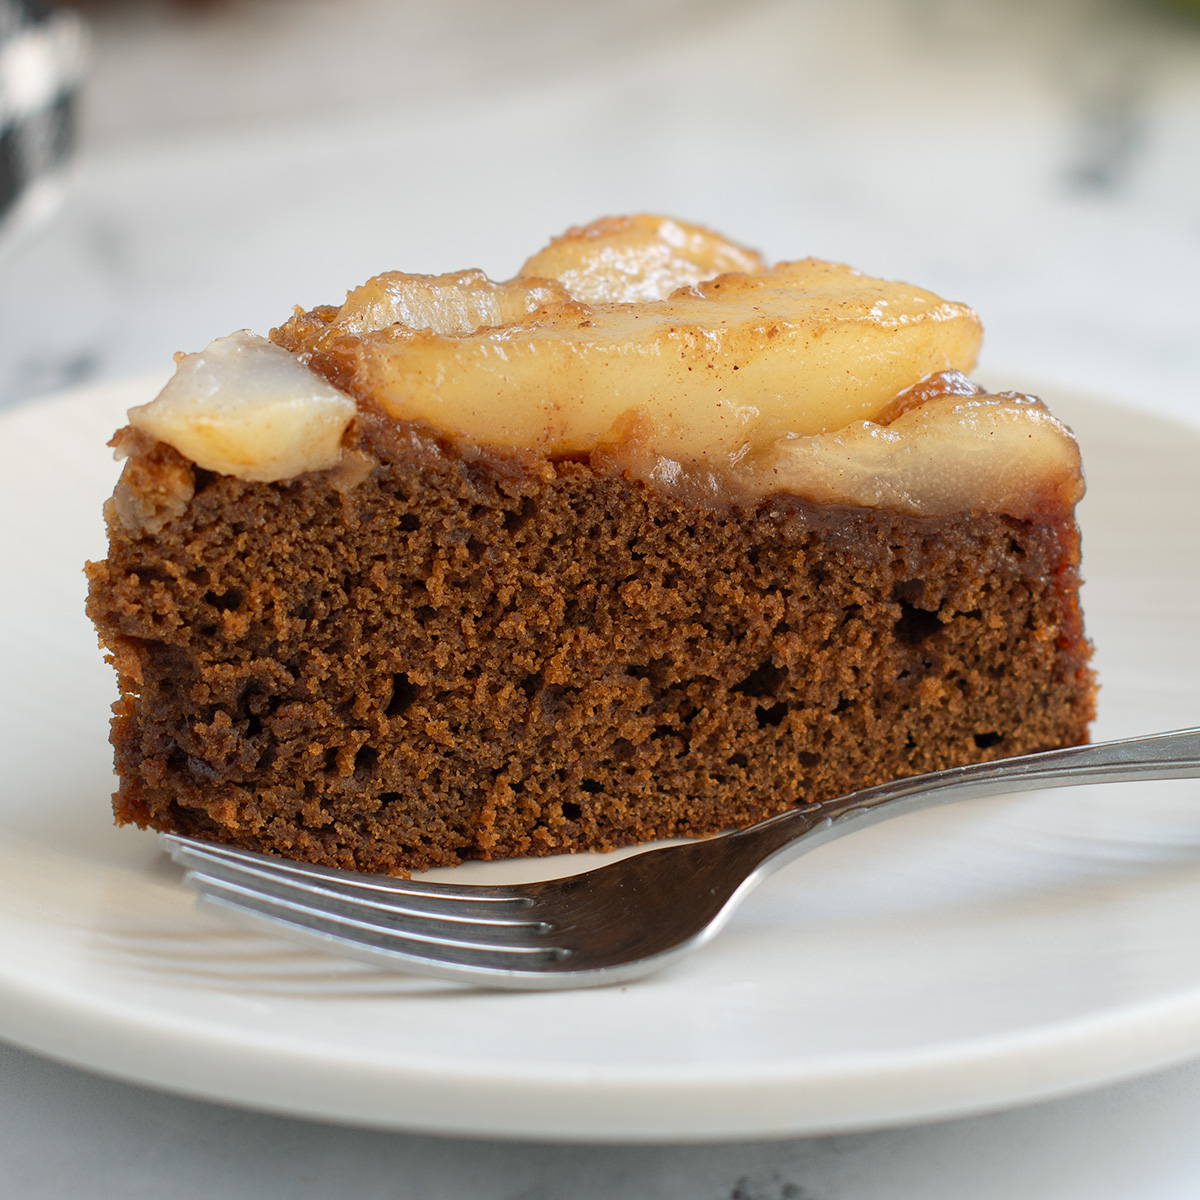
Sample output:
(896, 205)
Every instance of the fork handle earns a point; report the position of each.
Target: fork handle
(780, 840)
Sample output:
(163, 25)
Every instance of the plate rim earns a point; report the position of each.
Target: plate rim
(768, 1106)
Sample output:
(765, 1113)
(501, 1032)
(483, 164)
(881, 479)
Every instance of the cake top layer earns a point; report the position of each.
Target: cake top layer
(657, 348)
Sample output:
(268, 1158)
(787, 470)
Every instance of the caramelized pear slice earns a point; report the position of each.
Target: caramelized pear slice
(710, 372)
(1000, 453)
(245, 407)
(451, 305)
(624, 260)
(618, 260)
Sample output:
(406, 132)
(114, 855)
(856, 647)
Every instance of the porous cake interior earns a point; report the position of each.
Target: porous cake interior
(429, 654)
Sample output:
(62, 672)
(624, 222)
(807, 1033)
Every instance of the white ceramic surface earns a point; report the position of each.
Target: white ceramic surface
(954, 961)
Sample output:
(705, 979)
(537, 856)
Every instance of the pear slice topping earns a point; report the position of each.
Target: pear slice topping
(246, 407)
(640, 318)
(658, 348)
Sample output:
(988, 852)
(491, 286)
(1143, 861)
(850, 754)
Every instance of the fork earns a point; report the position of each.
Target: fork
(627, 918)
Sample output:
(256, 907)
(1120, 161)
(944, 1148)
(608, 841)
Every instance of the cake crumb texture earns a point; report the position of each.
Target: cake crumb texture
(444, 655)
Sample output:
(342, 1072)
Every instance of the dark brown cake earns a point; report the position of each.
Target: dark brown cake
(429, 654)
(653, 539)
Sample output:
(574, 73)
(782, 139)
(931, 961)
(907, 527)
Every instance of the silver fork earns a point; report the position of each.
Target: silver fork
(626, 918)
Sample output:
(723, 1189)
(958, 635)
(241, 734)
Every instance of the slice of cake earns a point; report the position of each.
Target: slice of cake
(651, 540)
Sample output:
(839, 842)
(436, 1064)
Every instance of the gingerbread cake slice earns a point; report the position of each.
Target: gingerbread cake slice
(651, 540)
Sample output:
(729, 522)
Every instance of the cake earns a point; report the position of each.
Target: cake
(651, 540)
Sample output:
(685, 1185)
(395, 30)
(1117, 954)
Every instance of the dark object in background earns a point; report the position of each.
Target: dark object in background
(41, 63)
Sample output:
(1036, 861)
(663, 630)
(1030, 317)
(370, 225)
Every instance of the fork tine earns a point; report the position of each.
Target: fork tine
(361, 940)
(453, 921)
(383, 921)
(491, 944)
(187, 852)
(385, 929)
(562, 933)
(452, 930)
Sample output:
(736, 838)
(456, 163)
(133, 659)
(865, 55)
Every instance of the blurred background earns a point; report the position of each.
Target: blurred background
(1037, 158)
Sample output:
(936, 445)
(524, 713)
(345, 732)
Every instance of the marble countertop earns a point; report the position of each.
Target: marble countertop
(1039, 161)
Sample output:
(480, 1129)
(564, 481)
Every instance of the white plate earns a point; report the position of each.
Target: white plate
(968, 958)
